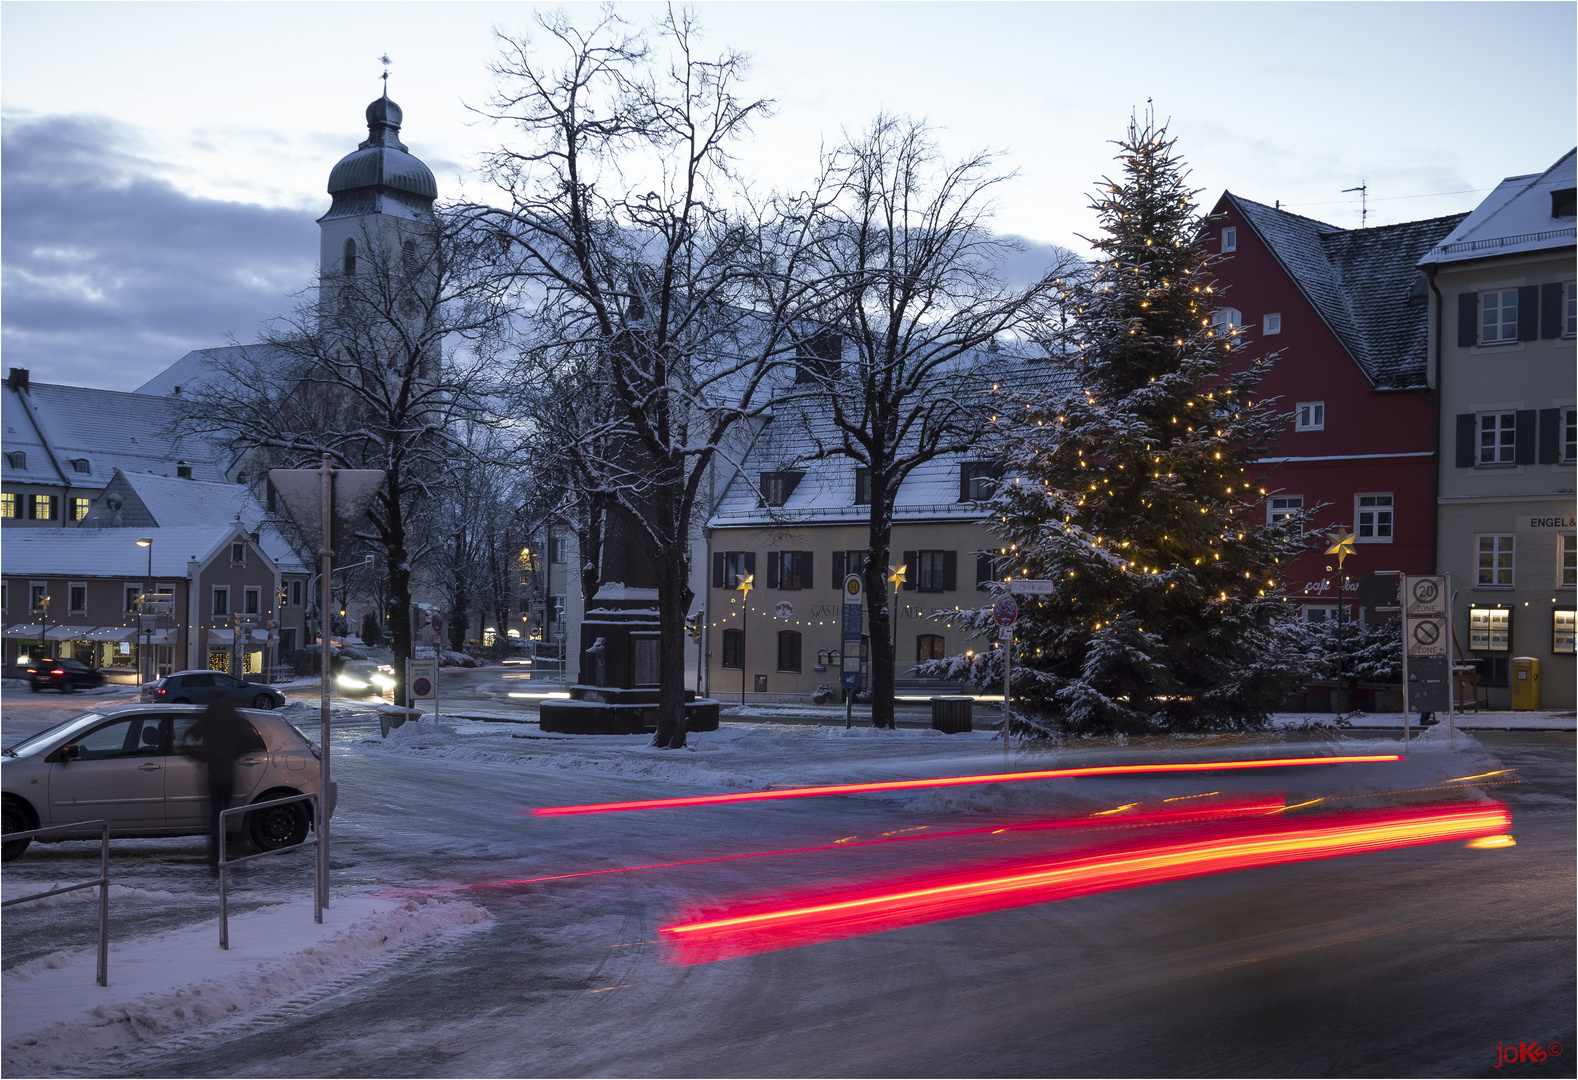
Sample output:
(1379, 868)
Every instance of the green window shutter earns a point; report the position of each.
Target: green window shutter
(950, 571)
(1523, 437)
(1528, 312)
(838, 570)
(1550, 436)
(772, 569)
(720, 570)
(1465, 440)
(911, 568)
(1551, 310)
(1467, 319)
(807, 560)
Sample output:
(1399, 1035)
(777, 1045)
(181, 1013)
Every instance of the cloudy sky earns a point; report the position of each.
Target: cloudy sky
(163, 164)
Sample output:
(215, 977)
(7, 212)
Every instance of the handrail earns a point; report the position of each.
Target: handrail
(224, 863)
(103, 883)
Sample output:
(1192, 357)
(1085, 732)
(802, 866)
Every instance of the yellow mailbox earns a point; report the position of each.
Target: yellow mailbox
(1525, 682)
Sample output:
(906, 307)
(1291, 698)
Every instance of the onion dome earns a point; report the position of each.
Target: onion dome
(381, 176)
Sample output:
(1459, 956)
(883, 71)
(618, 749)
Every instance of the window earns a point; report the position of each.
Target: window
(5, 596)
(184, 472)
(986, 569)
(238, 554)
(78, 594)
(221, 600)
(1489, 629)
(79, 508)
(1498, 316)
(778, 486)
(253, 596)
(348, 264)
(1570, 315)
(1374, 515)
(556, 550)
(978, 480)
(1564, 202)
(734, 648)
(1314, 614)
(38, 597)
(1494, 561)
(1227, 319)
(728, 567)
(8, 505)
(934, 570)
(1283, 506)
(81, 465)
(1230, 239)
(1271, 324)
(788, 569)
(788, 650)
(131, 595)
(42, 507)
(819, 358)
(408, 257)
(17, 459)
(1567, 433)
(862, 486)
(295, 593)
(1567, 560)
(846, 563)
(1498, 438)
(1310, 416)
(1563, 627)
(929, 647)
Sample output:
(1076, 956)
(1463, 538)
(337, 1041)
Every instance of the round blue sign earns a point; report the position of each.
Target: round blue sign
(421, 687)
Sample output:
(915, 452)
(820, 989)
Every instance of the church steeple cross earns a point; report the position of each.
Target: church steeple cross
(385, 61)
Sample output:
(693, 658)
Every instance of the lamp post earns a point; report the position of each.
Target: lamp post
(747, 583)
(147, 590)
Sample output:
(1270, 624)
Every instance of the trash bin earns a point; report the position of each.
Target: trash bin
(1525, 682)
(952, 714)
(393, 716)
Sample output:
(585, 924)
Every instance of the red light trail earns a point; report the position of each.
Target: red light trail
(957, 781)
(754, 926)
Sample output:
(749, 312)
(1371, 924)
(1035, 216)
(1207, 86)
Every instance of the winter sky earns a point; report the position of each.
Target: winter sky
(164, 163)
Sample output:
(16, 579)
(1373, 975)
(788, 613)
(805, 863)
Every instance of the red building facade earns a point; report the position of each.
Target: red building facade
(1346, 313)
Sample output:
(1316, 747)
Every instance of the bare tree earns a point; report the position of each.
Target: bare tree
(911, 278)
(640, 266)
(376, 368)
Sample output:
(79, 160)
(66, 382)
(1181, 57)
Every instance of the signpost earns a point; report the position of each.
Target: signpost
(422, 679)
(1427, 663)
(849, 655)
(1005, 612)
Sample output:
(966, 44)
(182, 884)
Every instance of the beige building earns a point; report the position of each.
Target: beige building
(1504, 326)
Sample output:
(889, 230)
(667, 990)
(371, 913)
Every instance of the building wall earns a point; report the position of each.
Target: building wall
(256, 572)
(815, 613)
(1526, 509)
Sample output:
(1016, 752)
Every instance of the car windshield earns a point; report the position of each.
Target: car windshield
(50, 736)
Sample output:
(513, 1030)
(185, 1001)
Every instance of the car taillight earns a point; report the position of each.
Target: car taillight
(161, 690)
(58, 671)
(32, 671)
(317, 756)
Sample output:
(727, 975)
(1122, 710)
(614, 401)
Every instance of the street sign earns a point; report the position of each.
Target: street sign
(302, 492)
(849, 668)
(1428, 689)
(150, 623)
(1005, 611)
(1029, 586)
(438, 623)
(1426, 636)
(1424, 595)
(424, 676)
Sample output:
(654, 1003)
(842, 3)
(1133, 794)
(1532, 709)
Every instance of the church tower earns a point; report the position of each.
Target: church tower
(382, 194)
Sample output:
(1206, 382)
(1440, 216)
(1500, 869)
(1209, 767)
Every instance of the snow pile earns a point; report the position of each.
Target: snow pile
(57, 1017)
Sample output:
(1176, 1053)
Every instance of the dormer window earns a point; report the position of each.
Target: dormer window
(1229, 239)
(1564, 202)
(238, 554)
(349, 262)
(183, 470)
(978, 480)
(17, 459)
(81, 465)
(778, 486)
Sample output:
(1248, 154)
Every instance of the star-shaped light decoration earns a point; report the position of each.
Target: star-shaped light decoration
(747, 583)
(1342, 548)
(896, 575)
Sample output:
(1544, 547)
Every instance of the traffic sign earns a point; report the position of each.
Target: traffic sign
(424, 676)
(438, 622)
(1425, 595)
(1005, 611)
(1426, 636)
(1030, 586)
(421, 688)
(849, 665)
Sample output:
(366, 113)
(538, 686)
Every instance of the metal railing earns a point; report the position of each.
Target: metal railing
(103, 884)
(225, 863)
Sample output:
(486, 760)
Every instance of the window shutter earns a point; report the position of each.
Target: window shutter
(838, 570)
(911, 568)
(1465, 440)
(1528, 312)
(772, 569)
(983, 570)
(950, 571)
(807, 561)
(1523, 437)
(720, 570)
(1551, 311)
(54, 508)
(964, 482)
(1467, 319)
(1550, 436)
(750, 563)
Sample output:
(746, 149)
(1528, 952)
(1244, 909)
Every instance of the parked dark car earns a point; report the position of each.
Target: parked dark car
(202, 687)
(62, 675)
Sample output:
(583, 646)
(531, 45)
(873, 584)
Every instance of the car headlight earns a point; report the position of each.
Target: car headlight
(383, 682)
(350, 683)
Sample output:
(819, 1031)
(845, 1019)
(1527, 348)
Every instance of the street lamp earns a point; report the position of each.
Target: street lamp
(147, 590)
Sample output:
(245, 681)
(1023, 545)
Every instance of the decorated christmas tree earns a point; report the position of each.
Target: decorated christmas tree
(1138, 494)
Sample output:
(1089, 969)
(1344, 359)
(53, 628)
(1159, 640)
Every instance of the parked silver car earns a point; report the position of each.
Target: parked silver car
(123, 764)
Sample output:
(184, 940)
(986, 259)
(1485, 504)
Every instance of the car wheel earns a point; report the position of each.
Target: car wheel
(14, 818)
(262, 701)
(182, 701)
(65, 686)
(37, 689)
(278, 826)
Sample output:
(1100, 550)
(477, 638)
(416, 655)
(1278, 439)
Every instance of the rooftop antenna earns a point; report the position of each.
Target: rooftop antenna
(385, 61)
(1364, 203)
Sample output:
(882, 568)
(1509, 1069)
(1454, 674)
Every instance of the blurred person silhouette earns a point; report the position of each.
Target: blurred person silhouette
(218, 738)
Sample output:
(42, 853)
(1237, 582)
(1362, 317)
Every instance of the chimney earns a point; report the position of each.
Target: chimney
(16, 379)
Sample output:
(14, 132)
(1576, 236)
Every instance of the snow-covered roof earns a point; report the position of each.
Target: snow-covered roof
(1519, 216)
(112, 552)
(105, 430)
(1359, 281)
(826, 492)
(198, 368)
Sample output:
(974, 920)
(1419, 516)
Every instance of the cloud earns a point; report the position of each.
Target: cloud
(110, 274)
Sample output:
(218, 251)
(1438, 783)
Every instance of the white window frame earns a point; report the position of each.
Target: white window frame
(5, 596)
(252, 598)
(213, 602)
(1567, 560)
(1310, 416)
(130, 608)
(1570, 316)
(238, 547)
(72, 585)
(1229, 238)
(1568, 434)
(1291, 504)
(1328, 613)
(1489, 629)
(1499, 544)
(1495, 300)
(34, 589)
(1376, 510)
(1227, 319)
(1505, 447)
(1271, 324)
